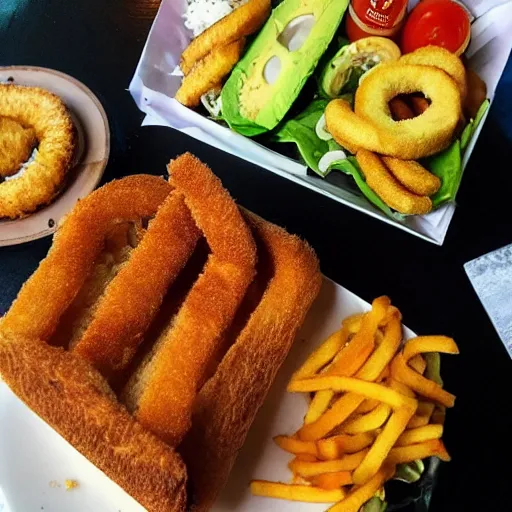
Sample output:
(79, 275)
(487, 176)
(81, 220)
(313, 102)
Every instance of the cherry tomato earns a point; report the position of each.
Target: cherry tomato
(438, 22)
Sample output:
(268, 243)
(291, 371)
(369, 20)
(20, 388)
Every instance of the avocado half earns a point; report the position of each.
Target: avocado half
(250, 104)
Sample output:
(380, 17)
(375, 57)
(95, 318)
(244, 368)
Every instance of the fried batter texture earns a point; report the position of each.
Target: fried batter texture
(242, 22)
(48, 117)
(391, 191)
(207, 74)
(16, 145)
(371, 125)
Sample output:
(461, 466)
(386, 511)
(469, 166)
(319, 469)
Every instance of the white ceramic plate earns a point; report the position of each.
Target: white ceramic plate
(91, 156)
(35, 461)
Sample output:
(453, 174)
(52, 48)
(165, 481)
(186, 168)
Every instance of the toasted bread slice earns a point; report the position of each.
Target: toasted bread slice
(228, 402)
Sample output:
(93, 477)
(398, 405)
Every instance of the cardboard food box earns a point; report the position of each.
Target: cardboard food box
(155, 83)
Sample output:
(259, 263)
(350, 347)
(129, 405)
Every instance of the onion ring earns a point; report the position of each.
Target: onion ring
(371, 126)
(439, 58)
(47, 115)
(388, 188)
(413, 138)
(16, 145)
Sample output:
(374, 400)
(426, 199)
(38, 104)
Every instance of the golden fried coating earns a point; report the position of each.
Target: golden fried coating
(249, 367)
(413, 176)
(16, 145)
(43, 299)
(209, 72)
(439, 58)
(382, 182)
(47, 115)
(162, 392)
(370, 126)
(423, 135)
(133, 297)
(76, 401)
(243, 21)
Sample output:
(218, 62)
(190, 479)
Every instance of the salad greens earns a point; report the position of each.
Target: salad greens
(447, 165)
(301, 130)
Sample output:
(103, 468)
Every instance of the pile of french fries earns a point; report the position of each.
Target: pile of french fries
(376, 403)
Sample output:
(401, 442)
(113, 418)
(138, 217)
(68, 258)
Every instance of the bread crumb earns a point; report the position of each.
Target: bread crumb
(70, 484)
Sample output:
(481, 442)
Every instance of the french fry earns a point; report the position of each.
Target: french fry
(368, 405)
(430, 448)
(384, 353)
(424, 387)
(296, 446)
(422, 344)
(401, 388)
(368, 422)
(360, 495)
(318, 405)
(335, 447)
(306, 457)
(383, 444)
(332, 480)
(422, 416)
(385, 374)
(351, 384)
(295, 492)
(346, 463)
(353, 322)
(439, 415)
(354, 355)
(418, 363)
(323, 355)
(338, 413)
(420, 434)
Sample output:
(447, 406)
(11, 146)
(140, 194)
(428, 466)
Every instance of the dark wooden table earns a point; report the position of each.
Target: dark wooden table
(99, 42)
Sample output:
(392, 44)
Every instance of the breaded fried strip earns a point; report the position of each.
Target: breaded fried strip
(243, 21)
(134, 296)
(413, 176)
(209, 72)
(161, 394)
(229, 401)
(75, 400)
(50, 290)
(382, 182)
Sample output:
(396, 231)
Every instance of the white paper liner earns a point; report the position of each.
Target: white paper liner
(153, 87)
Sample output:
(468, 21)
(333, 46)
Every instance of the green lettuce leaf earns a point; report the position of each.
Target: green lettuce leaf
(447, 165)
(301, 131)
(351, 167)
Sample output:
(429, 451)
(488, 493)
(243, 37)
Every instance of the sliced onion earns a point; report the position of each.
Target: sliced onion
(321, 129)
(329, 158)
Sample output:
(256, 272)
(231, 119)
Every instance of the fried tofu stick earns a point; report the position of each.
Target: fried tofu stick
(208, 72)
(413, 176)
(229, 401)
(243, 21)
(134, 296)
(162, 392)
(382, 182)
(44, 298)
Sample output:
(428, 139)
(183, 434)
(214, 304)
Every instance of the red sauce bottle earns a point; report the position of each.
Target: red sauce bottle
(375, 18)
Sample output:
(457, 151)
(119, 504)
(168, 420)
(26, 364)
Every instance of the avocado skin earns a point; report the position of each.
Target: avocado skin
(296, 68)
